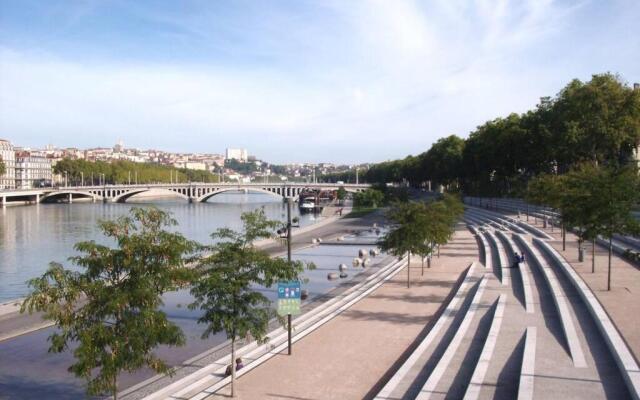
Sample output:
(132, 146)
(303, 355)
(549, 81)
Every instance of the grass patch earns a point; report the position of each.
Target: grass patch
(361, 212)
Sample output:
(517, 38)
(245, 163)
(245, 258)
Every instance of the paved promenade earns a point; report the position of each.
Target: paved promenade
(351, 355)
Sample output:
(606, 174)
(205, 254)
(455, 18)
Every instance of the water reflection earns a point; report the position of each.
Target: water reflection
(33, 236)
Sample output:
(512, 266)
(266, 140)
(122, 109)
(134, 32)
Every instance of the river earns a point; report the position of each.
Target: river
(32, 236)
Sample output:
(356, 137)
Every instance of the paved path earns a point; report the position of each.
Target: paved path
(349, 357)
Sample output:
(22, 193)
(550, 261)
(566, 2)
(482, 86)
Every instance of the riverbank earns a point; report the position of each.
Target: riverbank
(13, 324)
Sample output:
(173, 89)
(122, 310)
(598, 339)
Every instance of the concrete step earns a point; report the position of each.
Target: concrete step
(522, 288)
(502, 266)
(448, 373)
(213, 374)
(417, 365)
(482, 366)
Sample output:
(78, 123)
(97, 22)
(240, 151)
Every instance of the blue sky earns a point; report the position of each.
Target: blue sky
(294, 81)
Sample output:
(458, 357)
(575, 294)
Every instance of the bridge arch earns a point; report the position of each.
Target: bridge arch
(275, 191)
(64, 194)
(121, 196)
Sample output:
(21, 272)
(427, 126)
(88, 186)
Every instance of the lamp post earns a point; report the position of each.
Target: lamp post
(287, 234)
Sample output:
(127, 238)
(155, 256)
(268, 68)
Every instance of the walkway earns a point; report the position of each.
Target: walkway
(348, 357)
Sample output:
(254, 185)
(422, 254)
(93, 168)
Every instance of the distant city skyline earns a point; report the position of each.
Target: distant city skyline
(299, 81)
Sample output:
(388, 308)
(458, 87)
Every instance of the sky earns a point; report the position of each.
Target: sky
(341, 81)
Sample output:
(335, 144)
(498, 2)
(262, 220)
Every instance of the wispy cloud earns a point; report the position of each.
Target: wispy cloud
(336, 81)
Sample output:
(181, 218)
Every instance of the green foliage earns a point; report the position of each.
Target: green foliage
(596, 121)
(442, 163)
(227, 279)
(111, 308)
(120, 171)
(595, 200)
(419, 227)
(341, 194)
(2, 167)
(369, 198)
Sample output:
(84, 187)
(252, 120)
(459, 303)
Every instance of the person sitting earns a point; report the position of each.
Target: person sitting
(522, 258)
(516, 260)
(239, 364)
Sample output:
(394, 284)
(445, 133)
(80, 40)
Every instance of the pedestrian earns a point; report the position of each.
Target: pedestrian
(516, 260)
(239, 366)
(522, 258)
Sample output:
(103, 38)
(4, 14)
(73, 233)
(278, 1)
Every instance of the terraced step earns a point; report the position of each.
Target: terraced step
(212, 376)
(404, 377)
(523, 270)
(480, 371)
(560, 301)
(505, 273)
(437, 374)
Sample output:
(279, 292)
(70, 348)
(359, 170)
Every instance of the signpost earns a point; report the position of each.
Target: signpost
(289, 303)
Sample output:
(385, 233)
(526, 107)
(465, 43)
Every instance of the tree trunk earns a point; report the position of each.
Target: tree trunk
(233, 367)
(408, 269)
(580, 251)
(429, 262)
(423, 266)
(438, 251)
(609, 272)
(593, 256)
(564, 237)
(115, 387)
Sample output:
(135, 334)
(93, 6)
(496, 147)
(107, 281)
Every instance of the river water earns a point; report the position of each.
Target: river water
(32, 236)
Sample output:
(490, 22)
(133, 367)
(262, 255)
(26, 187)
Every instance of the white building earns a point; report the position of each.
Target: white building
(237, 154)
(32, 171)
(8, 157)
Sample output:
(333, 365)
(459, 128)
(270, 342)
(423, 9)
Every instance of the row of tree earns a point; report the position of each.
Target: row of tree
(420, 228)
(101, 172)
(593, 200)
(2, 167)
(110, 309)
(596, 121)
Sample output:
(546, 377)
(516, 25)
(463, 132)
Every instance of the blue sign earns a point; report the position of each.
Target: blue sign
(289, 298)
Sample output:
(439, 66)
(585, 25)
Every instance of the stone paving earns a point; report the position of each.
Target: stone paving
(350, 356)
(356, 353)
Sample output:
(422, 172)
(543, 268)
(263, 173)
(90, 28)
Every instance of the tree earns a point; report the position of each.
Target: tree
(110, 309)
(549, 190)
(369, 198)
(228, 278)
(442, 163)
(3, 169)
(406, 235)
(341, 194)
(615, 191)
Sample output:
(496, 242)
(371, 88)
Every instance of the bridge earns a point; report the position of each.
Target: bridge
(191, 192)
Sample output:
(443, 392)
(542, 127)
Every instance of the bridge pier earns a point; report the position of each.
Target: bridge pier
(37, 198)
(4, 201)
(70, 198)
(191, 199)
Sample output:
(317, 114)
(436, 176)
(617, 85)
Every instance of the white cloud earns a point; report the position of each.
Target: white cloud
(364, 81)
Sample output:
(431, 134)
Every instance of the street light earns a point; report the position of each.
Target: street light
(285, 232)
